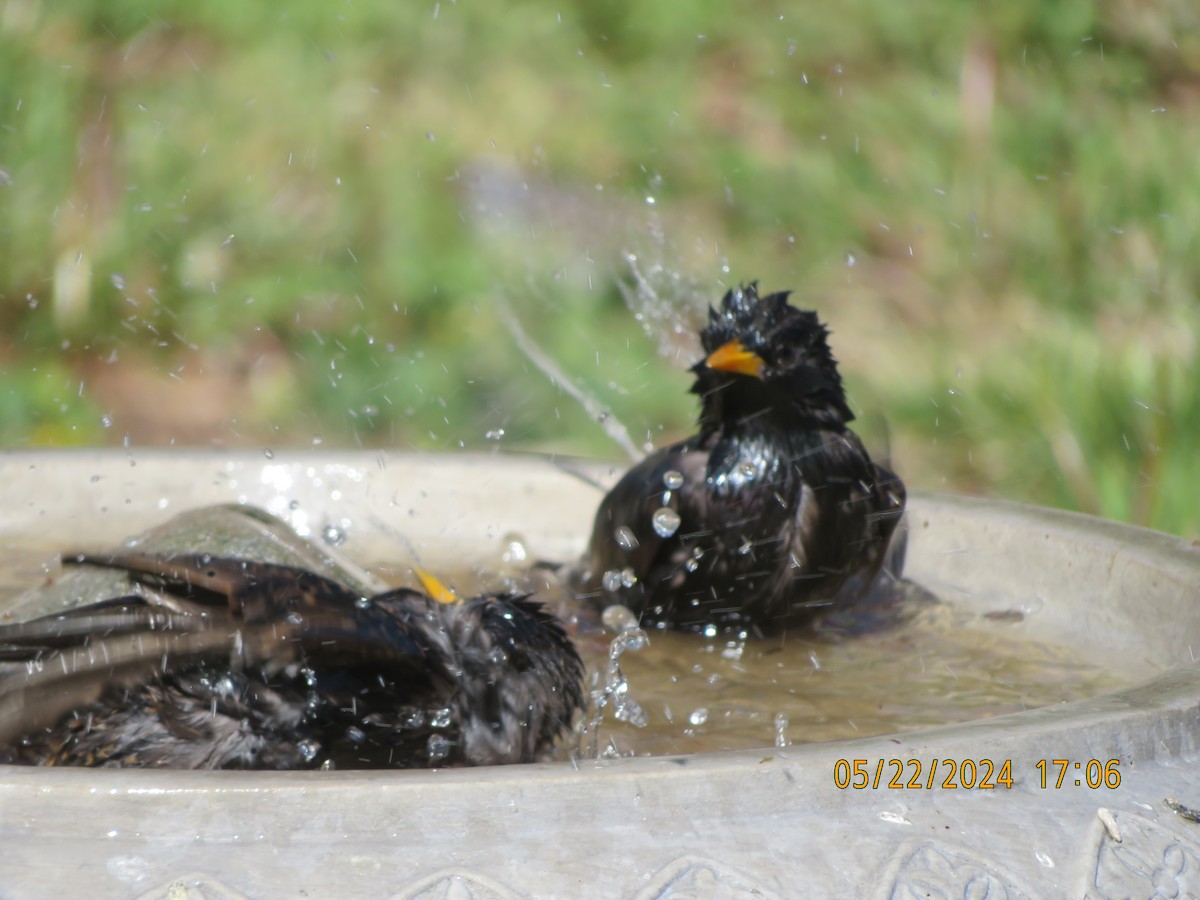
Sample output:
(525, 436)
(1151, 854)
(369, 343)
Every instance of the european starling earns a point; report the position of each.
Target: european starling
(773, 511)
(244, 665)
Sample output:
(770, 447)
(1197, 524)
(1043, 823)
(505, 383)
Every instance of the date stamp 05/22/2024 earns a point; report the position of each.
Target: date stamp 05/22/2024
(971, 774)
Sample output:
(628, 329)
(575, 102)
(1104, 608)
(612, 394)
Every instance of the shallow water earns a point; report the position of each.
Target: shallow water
(938, 666)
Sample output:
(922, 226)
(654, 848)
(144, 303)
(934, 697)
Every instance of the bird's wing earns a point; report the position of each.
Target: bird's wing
(199, 593)
(247, 590)
(256, 614)
(26, 641)
(181, 606)
(77, 676)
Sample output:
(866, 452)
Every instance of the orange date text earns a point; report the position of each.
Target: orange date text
(922, 774)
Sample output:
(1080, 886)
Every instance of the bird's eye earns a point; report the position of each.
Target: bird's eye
(787, 357)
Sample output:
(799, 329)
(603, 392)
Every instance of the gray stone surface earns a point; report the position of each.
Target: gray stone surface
(768, 823)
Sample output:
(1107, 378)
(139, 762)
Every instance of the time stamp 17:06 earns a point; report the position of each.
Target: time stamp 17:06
(970, 774)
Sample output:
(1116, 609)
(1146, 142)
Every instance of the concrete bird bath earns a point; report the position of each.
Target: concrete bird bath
(774, 822)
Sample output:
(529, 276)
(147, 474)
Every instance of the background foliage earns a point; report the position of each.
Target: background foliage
(256, 224)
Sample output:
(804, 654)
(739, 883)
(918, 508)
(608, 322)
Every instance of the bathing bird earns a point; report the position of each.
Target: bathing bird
(219, 663)
(773, 512)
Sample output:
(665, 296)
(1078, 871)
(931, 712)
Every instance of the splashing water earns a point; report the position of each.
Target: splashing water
(334, 535)
(665, 521)
(437, 747)
(781, 724)
(515, 551)
(613, 428)
(552, 242)
(625, 538)
(668, 305)
(614, 691)
(611, 580)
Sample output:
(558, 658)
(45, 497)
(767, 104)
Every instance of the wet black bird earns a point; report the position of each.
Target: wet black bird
(247, 665)
(773, 511)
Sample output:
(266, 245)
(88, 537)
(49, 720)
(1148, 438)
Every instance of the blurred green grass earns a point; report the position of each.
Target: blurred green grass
(256, 225)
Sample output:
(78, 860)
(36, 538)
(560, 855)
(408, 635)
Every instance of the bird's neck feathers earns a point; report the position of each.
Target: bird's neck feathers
(784, 406)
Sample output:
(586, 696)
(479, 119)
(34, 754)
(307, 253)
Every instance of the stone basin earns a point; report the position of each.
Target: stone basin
(765, 823)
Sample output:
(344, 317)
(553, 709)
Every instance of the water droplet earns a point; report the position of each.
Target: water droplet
(781, 724)
(628, 641)
(355, 735)
(496, 656)
(666, 521)
(495, 434)
(625, 538)
(334, 535)
(308, 750)
(710, 630)
(414, 719)
(616, 686)
(514, 549)
(619, 619)
(698, 716)
(269, 453)
(117, 280)
(745, 549)
(106, 421)
(672, 479)
(629, 710)
(628, 577)
(441, 718)
(437, 747)
(611, 580)
(747, 469)
(851, 259)
(363, 602)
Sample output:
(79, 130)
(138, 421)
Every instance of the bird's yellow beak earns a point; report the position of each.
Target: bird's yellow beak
(434, 587)
(734, 357)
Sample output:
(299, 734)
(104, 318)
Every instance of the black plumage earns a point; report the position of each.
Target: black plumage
(773, 511)
(249, 665)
